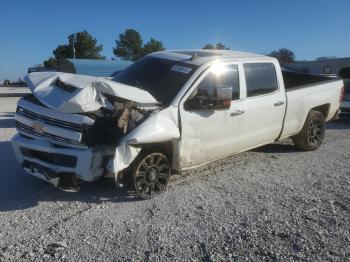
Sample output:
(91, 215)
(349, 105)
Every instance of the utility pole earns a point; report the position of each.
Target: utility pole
(74, 38)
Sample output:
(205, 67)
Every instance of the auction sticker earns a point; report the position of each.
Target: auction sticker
(181, 69)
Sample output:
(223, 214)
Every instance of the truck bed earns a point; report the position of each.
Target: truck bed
(295, 80)
(305, 92)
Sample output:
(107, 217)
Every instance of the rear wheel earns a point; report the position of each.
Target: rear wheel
(312, 134)
(151, 174)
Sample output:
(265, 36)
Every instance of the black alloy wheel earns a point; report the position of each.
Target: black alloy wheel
(312, 134)
(151, 175)
(316, 131)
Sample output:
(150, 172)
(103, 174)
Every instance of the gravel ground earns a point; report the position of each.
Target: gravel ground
(274, 203)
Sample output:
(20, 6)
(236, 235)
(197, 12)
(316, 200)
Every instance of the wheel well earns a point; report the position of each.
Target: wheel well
(166, 148)
(323, 109)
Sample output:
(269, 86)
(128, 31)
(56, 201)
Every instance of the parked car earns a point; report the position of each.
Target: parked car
(345, 105)
(168, 112)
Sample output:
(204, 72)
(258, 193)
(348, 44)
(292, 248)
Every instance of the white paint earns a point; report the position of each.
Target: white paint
(197, 136)
(300, 101)
(88, 95)
(54, 130)
(54, 114)
(158, 128)
(89, 161)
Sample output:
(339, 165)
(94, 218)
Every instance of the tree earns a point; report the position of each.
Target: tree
(221, 46)
(218, 46)
(6, 82)
(152, 46)
(20, 80)
(85, 47)
(283, 55)
(130, 46)
(208, 46)
(51, 63)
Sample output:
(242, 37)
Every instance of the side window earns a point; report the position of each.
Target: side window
(229, 78)
(260, 78)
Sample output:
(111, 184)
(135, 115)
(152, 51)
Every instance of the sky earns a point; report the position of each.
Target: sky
(30, 29)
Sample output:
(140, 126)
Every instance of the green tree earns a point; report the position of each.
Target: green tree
(218, 46)
(85, 47)
(221, 46)
(51, 63)
(130, 46)
(152, 46)
(283, 55)
(208, 46)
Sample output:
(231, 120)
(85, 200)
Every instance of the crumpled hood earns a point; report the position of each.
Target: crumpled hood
(70, 93)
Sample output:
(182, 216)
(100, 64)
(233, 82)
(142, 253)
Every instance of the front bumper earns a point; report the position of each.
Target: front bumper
(42, 159)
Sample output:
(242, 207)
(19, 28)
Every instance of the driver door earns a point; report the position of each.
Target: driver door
(211, 133)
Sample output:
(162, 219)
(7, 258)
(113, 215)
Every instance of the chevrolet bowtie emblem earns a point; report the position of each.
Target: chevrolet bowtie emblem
(38, 127)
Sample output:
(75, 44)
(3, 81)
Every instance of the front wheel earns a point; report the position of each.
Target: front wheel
(312, 134)
(151, 174)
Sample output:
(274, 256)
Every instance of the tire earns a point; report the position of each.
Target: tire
(150, 172)
(312, 134)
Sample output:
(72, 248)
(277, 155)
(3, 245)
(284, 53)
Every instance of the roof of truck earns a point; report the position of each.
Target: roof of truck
(201, 56)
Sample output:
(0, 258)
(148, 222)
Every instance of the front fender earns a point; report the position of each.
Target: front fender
(158, 128)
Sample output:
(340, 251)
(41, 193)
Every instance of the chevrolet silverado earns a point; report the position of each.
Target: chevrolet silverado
(168, 112)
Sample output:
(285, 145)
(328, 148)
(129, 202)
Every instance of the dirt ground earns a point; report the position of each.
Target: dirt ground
(274, 203)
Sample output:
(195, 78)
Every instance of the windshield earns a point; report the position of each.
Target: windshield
(162, 78)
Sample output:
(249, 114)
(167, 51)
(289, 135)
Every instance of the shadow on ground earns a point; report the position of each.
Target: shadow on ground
(277, 148)
(342, 123)
(7, 122)
(19, 190)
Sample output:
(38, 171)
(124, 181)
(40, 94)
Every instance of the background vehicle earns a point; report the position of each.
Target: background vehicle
(169, 111)
(345, 105)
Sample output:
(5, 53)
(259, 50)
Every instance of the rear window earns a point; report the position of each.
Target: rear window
(260, 78)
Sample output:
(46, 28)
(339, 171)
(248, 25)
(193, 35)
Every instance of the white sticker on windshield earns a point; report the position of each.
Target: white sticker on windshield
(181, 69)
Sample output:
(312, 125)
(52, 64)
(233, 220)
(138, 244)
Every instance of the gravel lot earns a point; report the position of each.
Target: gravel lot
(274, 203)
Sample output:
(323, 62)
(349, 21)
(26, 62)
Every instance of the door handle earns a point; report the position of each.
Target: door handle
(278, 103)
(237, 112)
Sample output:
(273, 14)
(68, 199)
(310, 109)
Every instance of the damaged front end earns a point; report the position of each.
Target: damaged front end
(111, 126)
(82, 118)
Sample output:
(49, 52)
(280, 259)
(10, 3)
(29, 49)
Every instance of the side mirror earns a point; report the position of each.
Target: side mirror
(221, 100)
(223, 94)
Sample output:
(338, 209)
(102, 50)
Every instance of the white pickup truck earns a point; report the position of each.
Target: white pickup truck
(168, 112)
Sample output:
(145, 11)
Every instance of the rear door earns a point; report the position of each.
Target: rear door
(264, 104)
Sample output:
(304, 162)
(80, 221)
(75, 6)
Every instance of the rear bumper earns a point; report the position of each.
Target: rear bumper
(48, 162)
(336, 115)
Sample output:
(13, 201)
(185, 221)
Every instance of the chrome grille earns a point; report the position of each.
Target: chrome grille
(30, 131)
(36, 121)
(49, 120)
